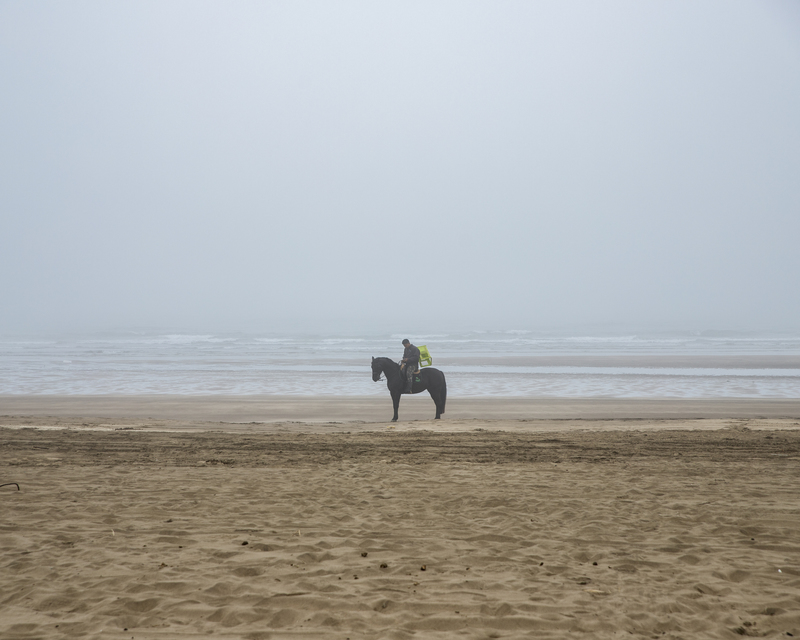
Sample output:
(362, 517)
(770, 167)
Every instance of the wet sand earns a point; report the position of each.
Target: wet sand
(378, 408)
(461, 528)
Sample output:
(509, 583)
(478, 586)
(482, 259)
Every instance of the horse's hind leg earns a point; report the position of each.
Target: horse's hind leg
(436, 400)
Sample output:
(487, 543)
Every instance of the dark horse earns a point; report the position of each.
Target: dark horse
(428, 378)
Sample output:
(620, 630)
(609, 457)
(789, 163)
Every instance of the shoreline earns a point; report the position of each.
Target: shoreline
(644, 361)
(378, 409)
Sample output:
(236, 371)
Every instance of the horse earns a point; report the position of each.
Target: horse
(429, 378)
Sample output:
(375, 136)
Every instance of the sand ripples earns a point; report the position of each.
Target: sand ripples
(475, 536)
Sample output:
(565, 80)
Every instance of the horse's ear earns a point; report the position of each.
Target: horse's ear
(373, 358)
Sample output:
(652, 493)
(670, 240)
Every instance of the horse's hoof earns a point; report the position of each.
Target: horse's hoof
(394, 419)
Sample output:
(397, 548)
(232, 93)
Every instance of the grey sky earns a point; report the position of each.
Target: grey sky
(409, 164)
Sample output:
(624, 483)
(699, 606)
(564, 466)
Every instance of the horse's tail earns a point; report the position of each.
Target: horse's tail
(443, 395)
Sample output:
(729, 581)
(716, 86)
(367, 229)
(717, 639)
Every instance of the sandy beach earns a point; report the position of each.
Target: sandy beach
(230, 230)
(163, 526)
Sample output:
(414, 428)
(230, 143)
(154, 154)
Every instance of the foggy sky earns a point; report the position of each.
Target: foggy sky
(399, 165)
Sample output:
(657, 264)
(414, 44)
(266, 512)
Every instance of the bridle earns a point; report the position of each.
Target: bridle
(381, 377)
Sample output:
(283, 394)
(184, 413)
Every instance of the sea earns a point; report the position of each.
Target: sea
(476, 363)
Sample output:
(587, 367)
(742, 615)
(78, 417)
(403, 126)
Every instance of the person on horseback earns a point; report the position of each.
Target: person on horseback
(410, 363)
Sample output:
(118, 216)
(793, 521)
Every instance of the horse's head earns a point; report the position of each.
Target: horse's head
(376, 370)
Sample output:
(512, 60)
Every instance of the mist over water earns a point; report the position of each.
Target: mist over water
(475, 363)
(426, 166)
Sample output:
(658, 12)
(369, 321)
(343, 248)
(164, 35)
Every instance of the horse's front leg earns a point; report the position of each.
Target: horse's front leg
(396, 403)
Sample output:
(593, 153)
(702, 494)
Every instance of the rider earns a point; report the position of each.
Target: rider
(410, 362)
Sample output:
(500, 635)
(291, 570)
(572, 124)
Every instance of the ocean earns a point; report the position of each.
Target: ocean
(476, 363)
